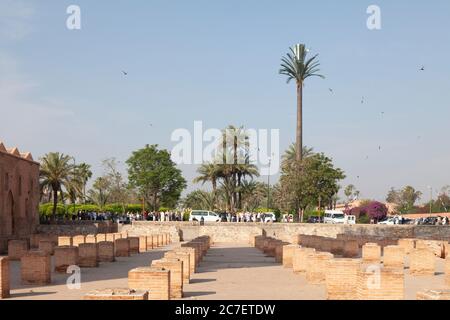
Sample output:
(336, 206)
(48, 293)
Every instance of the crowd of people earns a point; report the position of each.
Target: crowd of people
(127, 217)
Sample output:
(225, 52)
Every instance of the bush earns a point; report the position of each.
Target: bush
(364, 219)
(376, 210)
(46, 209)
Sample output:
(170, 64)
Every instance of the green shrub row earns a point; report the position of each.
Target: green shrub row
(46, 209)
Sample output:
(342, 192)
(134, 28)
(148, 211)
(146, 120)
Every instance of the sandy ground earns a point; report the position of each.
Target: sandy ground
(228, 271)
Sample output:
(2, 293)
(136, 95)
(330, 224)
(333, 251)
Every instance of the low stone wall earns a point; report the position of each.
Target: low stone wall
(77, 228)
(241, 232)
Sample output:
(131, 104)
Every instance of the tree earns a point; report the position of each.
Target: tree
(200, 200)
(290, 156)
(376, 210)
(313, 181)
(156, 176)
(405, 199)
(297, 67)
(231, 169)
(118, 191)
(84, 173)
(100, 192)
(208, 172)
(351, 192)
(56, 174)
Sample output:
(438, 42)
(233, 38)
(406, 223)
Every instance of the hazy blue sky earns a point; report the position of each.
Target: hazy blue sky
(217, 61)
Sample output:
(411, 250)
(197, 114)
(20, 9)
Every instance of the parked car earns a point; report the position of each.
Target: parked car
(315, 219)
(206, 216)
(388, 222)
(334, 217)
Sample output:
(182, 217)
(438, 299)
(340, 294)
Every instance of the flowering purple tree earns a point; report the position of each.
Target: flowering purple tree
(376, 210)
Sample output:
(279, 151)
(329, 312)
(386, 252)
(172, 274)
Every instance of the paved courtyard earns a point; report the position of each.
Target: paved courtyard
(228, 271)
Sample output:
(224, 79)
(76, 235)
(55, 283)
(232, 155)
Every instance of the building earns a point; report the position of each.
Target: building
(19, 195)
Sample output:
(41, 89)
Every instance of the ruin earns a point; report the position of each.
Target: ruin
(17, 249)
(36, 268)
(65, 257)
(342, 279)
(422, 262)
(88, 255)
(116, 294)
(19, 195)
(175, 266)
(106, 251)
(154, 280)
(4, 278)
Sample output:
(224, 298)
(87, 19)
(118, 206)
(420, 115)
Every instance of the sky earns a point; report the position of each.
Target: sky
(217, 62)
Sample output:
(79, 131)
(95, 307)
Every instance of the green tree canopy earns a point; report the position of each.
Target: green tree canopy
(156, 176)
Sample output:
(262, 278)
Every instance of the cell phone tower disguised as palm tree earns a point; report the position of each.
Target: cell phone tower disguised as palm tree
(296, 66)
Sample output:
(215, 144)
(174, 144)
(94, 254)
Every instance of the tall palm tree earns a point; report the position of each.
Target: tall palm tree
(208, 172)
(290, 155)
(83, 173)
(56, 173)
(297, 67)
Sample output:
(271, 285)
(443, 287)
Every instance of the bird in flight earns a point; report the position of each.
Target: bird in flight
(422, 69)
(331, 90)
(379, 148)
(124, 73)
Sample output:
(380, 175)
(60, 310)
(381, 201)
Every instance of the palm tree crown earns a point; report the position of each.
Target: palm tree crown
(56, 173)
(296, 65)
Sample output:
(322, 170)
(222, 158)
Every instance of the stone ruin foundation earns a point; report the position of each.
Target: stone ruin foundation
(342, 279)
(154, 280)
(88, 255)
(64, 257)
(394, 257)
(106, 251)
(4, 278)
(422, 262)
(116, 294)
(371, 253)
(36, 268)
(17, 249)
(122, 247)
(175, 266)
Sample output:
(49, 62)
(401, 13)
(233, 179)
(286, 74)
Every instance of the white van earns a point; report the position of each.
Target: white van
(334, 217)
(208, 216)
(349, 219)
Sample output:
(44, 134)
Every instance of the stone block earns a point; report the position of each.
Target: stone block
(342, 279)
(154, 280)
(65, 257)
(394, 257)
(35, 268)
(4, 278)
(422, 262)
(106, 251)
(17, 249)
(88, 255)
(122, 248)
(117, 295)
(175, 266)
